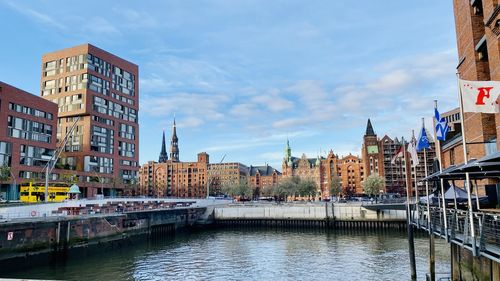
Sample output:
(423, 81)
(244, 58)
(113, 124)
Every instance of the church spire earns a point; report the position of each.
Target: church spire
(369, 129)
(174, 146)
(163, 154)
(288, 151)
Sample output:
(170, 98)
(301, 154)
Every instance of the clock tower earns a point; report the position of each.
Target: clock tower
(373, 158)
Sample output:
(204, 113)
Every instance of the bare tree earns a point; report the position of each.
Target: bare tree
(335, 186)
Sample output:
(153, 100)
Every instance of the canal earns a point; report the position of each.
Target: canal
(247, 255)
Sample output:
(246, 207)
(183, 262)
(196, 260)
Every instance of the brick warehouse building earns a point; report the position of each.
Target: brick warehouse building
(27, 138)
(172, 177)
(477, 26)
(351, 174)
(262, 179)
(377, 159)
(320, 169)
(220, 174)
(102, 90)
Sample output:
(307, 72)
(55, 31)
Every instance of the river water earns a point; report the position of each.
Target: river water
(250, 255)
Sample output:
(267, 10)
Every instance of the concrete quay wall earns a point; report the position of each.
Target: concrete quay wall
(21, 238)
(327, 211)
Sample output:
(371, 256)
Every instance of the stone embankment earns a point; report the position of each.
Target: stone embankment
(63, 226)
(311, 215)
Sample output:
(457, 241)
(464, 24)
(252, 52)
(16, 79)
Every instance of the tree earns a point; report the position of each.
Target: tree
(281, 191)
(4, 173)
(287, 187)
(242, 190)
(307, 188)
(335, 186)
(68, 178)
(372, 184)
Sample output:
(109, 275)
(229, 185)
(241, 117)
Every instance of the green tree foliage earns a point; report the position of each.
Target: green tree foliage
(68, 178)
(295, 186)
(372, 184)
(335, 186)
(237, 190)
(4, 173)
(287, 187)
(307, 188)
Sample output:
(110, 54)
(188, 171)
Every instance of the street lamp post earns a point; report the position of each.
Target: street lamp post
(13, 189)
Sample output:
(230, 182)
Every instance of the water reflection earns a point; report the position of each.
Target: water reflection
(251, 255)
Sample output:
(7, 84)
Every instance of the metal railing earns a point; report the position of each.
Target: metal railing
(482, 237)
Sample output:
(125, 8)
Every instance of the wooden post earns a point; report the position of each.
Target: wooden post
(411, 246)
(432, 257)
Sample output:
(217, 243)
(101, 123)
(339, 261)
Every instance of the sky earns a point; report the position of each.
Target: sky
(243, 76)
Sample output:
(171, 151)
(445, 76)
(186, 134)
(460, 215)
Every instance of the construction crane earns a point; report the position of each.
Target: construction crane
(55, 156)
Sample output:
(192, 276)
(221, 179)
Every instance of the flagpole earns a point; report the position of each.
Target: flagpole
(438, 151)
(426, 183)
(432, 268)
(417, 199)
(467, 177)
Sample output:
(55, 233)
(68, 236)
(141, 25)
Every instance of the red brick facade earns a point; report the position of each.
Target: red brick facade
(23, 144)
(103, 91)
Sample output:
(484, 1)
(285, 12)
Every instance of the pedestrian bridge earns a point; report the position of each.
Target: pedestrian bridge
(477, 231)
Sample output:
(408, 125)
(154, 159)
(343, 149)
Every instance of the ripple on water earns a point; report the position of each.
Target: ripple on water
(253, 255)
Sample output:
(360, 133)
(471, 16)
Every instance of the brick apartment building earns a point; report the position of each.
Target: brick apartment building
(27, 138)
(101, 90)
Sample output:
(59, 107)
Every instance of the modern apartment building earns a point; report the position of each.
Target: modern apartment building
(100, 92)
(27, 136)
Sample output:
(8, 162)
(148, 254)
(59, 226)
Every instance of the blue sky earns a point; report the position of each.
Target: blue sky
(241, 76)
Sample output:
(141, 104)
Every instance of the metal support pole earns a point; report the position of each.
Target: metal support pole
(438, 151)
(432, 257)
(467, 177)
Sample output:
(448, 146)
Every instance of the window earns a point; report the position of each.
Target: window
(98, 164)
(29, 130)
(29, 111)
(127, 132)
(102, 140)
(5, 153)
(34, 156)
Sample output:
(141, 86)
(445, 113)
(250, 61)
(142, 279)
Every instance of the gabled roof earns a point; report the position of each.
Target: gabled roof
(262, 170)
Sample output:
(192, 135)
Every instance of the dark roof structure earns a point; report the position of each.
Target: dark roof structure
(262, 170)
(369, 129)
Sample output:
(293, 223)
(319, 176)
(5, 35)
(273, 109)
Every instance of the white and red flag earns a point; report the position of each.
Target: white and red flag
(399, 154)
(480, 96)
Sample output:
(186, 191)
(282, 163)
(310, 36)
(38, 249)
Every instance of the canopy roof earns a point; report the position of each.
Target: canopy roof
(485, 167)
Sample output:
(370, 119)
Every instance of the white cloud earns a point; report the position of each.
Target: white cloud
(37, 16)
(136, 19)
(100, 26)
(195, 109)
